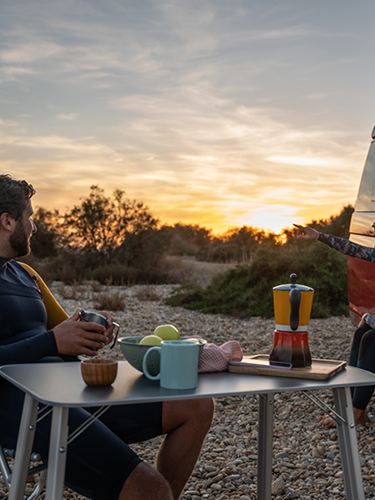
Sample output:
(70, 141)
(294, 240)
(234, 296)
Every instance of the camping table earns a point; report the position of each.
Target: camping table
(60, 386)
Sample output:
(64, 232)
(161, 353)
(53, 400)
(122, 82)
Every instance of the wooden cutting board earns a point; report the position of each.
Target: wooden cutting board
(320, 369)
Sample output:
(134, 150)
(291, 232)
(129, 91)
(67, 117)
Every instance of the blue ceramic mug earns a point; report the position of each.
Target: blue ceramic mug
(178, 364)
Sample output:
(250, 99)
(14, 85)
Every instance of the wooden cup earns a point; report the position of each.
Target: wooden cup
(98, 372)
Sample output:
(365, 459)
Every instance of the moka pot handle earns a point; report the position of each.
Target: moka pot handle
(295, 300)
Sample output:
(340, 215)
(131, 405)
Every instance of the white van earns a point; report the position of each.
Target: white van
(361, 274)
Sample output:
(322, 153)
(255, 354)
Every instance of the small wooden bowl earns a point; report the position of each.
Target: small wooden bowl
(98, 372)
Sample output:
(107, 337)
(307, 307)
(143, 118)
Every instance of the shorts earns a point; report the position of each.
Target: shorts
(99, 460)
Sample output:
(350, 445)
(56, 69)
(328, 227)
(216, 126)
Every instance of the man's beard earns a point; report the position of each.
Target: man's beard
(19, 241)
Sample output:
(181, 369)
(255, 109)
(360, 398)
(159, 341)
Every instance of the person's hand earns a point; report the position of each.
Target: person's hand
(113, 329)
(109, 331)
(307, 233)
(74, 337)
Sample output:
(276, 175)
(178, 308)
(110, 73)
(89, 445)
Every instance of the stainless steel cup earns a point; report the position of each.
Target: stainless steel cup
(99, 319)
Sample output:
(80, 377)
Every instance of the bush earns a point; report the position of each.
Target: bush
(247, 290)
(113, 301)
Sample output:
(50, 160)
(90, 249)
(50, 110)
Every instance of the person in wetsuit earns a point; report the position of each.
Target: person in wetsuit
(100, 463)
(362, 352)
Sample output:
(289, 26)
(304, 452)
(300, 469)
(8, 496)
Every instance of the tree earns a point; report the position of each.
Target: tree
(186, 239)
(242, 242)
(101, 224)
(45, 241)
(336, 224)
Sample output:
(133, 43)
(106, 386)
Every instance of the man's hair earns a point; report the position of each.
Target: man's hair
(14, 195)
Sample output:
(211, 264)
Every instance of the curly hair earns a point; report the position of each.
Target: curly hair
(14, 195)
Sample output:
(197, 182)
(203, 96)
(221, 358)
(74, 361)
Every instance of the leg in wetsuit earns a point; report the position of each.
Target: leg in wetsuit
(100, 459)
(362, 355)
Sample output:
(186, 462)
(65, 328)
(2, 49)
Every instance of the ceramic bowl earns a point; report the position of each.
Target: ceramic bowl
(134, 352)
(98, 372)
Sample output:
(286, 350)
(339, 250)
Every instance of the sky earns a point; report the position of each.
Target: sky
(220, 113)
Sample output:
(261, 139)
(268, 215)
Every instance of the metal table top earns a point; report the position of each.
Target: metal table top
(60, 384)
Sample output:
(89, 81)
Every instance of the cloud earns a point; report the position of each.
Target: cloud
(304, 161)
(67, 116)
(205, 110)
(21, 53)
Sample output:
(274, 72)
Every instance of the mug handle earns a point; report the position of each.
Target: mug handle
(144, 364)
(117, 329)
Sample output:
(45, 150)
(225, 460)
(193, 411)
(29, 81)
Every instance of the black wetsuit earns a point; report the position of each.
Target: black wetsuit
(99, 460)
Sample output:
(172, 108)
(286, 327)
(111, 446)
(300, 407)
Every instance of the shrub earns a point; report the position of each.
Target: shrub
(112, 301)
(247, 290)
(147, 294)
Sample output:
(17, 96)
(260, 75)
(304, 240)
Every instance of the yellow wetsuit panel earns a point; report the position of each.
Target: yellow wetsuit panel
(55, 312)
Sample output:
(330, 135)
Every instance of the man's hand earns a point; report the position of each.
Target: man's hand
(74, 337)
(307, 233)
(109, 331)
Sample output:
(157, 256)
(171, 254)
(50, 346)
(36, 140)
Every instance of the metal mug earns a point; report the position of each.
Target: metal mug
(99, 319)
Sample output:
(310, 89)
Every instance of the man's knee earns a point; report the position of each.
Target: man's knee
(200, 412)
(204, 409)
(197, 412)
(146, 483)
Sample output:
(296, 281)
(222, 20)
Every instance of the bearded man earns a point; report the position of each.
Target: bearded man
(116, 471)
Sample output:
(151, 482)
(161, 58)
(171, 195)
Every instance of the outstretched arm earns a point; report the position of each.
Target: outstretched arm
(341, 244)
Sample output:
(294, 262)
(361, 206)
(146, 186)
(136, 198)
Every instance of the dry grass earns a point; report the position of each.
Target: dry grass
(110, 301)
(147, 293)
(194, 272)
(74, 292)
(96, 287)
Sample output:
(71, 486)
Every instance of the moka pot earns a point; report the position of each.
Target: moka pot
(292, 308)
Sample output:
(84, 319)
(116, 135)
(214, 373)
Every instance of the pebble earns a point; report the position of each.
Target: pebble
(306, 464)
(278, 486)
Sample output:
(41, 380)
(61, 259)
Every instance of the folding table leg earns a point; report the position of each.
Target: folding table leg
(348, 444)
(24, 446)
(57, 454)
(265, 441)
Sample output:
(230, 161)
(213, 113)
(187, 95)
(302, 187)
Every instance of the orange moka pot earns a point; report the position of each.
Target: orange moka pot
(292, 307)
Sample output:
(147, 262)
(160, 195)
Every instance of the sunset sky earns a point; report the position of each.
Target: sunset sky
(216, 112)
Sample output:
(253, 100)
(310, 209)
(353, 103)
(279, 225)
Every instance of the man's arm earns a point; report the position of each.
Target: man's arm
(71, 338)
(29, 350)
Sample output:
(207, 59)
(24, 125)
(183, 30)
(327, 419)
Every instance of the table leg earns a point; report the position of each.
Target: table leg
(24, 445)
(265, 439)
(348, 444)
(57, 454)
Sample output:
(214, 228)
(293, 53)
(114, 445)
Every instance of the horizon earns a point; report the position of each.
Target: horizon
(216, 114)
(161, 223)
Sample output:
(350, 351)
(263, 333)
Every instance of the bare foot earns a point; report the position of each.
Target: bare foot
(360, 419)
(327, 421)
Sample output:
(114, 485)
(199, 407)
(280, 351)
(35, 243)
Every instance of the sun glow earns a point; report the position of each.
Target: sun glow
(273, 218)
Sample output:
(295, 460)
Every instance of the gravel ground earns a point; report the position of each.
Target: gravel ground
(306, 461)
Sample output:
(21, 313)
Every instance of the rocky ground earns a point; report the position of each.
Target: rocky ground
(306, 461)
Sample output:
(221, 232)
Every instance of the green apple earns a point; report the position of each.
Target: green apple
(167, 332)
(150, 340)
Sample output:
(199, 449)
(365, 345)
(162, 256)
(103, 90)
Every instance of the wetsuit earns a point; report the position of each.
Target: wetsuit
(362, 353)
(99, 460)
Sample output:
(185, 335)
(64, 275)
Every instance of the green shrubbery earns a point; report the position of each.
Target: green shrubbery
(247, 290)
